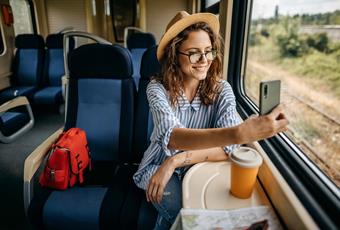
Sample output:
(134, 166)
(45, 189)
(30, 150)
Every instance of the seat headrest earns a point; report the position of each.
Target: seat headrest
(150, 65)
(29, 41)
(141, 40)
(100, 61)
(55, 41)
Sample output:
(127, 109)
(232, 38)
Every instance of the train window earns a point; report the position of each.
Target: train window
(299, 43)
(123, 15)
(211, 6)
(209, 3)
(22, 17)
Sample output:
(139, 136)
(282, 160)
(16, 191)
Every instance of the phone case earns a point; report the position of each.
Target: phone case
(269, 95)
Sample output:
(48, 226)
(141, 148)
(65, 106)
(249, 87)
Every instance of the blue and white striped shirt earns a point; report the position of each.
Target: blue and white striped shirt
(184, 115)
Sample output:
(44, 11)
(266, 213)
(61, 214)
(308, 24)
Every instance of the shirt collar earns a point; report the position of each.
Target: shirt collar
(184, 104)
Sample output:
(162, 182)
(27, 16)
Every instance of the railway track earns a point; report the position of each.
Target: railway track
(313, 107)
(303, 143)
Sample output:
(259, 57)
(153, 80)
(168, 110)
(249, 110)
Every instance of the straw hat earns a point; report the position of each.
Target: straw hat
(181, 21)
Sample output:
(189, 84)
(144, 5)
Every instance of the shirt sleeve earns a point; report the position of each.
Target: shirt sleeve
(227, 115)
(163, 116)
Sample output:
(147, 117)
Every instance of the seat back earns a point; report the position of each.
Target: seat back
(54, 60)
(137, 43)
(140, 40)
(101, 100)
(143, 119)
(28, 60)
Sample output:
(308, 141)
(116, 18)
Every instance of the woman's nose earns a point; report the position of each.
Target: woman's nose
(203, 57)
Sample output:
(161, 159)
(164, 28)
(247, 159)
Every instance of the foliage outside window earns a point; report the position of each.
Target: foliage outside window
(299, 43)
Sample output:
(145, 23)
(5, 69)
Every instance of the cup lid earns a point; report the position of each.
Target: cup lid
(246, 157)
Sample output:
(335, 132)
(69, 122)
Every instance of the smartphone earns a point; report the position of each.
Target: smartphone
(269, 95)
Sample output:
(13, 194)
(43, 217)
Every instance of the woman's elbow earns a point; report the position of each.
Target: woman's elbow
(172, 144)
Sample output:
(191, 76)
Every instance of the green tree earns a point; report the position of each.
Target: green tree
(287, 38)
(318, 41)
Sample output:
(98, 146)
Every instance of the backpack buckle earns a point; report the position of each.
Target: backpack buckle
(52, 175)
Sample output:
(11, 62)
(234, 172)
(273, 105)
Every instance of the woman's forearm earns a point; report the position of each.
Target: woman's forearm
(252, 129)
(196, 139)
(196, 156)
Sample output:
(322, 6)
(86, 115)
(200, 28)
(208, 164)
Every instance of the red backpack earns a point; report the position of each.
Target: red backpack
(67, 160)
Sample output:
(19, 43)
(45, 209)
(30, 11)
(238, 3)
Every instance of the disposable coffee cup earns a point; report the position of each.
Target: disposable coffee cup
(244, 167)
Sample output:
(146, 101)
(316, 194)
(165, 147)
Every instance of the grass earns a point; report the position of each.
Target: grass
(322, 69)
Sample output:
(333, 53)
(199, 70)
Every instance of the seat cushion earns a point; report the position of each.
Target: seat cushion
(12, 122)
(79, 209)
(12, 92)
(48, 95)
(82, 207)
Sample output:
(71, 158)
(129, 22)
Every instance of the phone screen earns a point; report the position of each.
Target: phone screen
(269, 95)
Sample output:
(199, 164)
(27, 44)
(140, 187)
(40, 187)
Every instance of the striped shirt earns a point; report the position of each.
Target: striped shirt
(184, 115)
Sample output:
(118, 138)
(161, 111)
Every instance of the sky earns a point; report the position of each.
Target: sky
(266, 8)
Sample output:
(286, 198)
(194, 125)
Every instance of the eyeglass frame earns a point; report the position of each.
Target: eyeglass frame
(214, 52)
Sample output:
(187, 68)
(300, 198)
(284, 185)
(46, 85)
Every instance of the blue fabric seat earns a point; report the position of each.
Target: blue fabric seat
(11, 122)
(27, 67)
(16, 118)
(137, 43)
(143, 119)
(100, 101)
(144, 214)
(51, 93)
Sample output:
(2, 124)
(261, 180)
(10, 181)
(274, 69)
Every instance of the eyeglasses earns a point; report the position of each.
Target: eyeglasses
(195, 57)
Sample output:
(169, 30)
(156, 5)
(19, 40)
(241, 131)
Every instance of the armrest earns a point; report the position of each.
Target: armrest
(32, 163)
(16, 102)
(64, 83)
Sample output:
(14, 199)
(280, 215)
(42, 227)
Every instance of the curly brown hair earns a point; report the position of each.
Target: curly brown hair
(171, 77)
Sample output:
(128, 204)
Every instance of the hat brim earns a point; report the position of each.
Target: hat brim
(179, 26)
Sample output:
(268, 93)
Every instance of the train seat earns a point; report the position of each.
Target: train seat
(137, 43)
(27, 67)
(100, 101)
(145, 213)
(51, 93)
(143, 118)
(14, 120)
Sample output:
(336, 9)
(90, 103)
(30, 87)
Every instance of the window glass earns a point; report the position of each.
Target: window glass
(22, 17)
(210, 3)
(298, 42)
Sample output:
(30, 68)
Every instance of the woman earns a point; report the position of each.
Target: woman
(193, 112)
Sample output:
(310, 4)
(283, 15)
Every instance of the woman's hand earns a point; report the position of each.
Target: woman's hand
(260, 127)
(159, 180)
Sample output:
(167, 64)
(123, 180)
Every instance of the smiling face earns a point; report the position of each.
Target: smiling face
(197, 42)
(178, 73)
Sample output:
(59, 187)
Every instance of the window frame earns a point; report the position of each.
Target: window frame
(113, 12)
(315, 190)
(214, 8)
(33, 15)
(2, 40)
